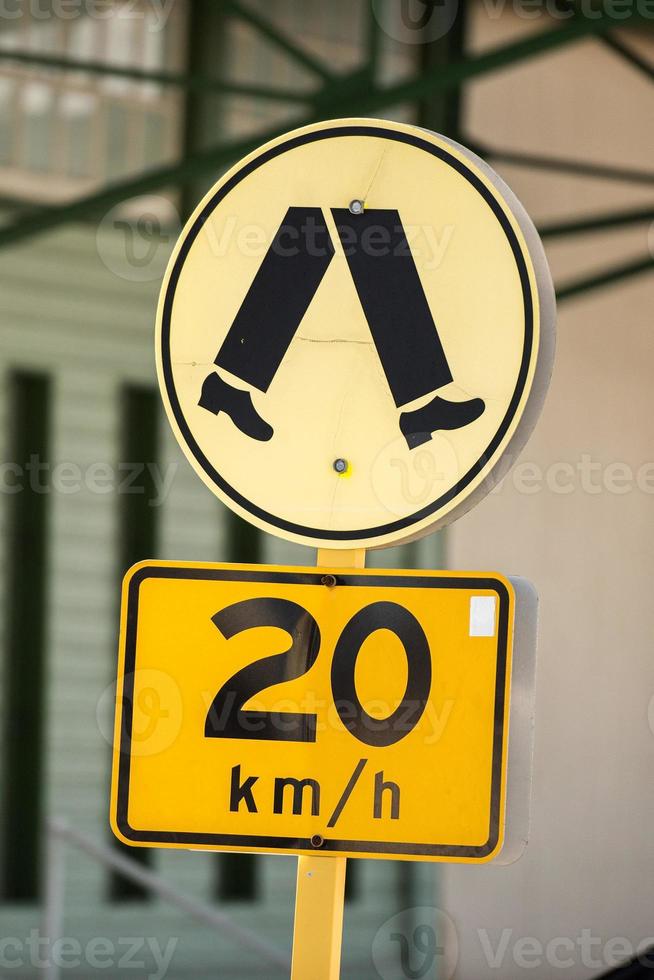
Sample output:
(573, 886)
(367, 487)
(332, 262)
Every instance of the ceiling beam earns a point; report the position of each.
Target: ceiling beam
(193, 82)
(597, 222)
(369, 100)
(502, 56)
(629, 55)
(606, 278)
(276, 37)
(576, 168)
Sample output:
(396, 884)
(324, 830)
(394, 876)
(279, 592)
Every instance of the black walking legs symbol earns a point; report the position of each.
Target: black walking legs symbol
(393, 301)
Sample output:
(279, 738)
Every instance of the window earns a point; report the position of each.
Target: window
(22, 790)
(81, 128)
(138, 540)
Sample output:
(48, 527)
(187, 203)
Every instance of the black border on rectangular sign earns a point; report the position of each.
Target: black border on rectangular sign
(295, 844)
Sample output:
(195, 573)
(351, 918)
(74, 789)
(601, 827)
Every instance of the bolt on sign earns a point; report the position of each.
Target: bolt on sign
(354, 339)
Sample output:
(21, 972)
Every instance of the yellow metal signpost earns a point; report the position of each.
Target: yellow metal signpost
(355, 334)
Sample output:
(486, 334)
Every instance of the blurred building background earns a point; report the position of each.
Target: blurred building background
(114, 118)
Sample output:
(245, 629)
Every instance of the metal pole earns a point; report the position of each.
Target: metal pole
(319, 904)
(320, 895)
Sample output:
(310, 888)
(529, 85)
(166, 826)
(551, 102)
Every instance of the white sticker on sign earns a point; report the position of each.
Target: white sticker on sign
(482, 615)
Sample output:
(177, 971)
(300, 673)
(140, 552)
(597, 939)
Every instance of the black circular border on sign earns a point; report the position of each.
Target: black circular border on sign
(196, 228)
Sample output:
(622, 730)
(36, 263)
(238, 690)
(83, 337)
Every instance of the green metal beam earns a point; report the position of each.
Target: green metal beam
(634, 59)
(442, 111)
(276, 37)
(598, 222)
(502, 56)
(197, 165)
(192, 82)
(576, 168)
(373, 39)
(612, 41)
(606, 278)
(424, 84)
(214, 159)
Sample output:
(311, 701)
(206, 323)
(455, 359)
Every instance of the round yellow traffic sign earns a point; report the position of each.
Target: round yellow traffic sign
(355, 333)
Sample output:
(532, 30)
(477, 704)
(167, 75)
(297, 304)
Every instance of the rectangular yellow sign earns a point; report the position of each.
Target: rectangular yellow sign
(304, 710)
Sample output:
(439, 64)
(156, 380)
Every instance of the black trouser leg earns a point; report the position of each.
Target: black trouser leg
(278, 298)
(394, 302)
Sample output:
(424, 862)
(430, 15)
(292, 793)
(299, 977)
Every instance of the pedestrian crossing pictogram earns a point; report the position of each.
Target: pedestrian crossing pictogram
(355, 333)
(394, 304)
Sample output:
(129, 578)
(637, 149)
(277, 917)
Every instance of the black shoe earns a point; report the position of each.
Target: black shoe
(417, 426)
(217, 396)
